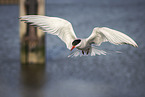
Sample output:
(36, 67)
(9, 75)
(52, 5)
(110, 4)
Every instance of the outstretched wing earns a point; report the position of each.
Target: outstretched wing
(53, 25)
(104, 34)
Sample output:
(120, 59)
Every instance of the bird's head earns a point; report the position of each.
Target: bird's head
(75, 43)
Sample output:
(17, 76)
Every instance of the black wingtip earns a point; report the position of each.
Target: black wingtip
(136, 46)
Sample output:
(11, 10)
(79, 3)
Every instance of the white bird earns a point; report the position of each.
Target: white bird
(64, 30)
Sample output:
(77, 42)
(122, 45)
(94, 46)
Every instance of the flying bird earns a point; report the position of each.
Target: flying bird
(64, 30)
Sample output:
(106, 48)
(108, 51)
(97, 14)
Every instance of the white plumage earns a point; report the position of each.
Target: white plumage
(105, 34)
(53, 25)
(64, 30)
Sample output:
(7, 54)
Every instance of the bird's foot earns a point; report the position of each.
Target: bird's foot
(82, 52)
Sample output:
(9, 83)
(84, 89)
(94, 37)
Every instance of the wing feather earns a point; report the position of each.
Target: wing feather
(104, 34)
(53, 25)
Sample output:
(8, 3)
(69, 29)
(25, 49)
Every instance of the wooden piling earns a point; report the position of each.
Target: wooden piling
(32, 39)
(5, 2)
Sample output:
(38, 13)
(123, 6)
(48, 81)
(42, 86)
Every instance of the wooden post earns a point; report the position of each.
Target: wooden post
(9, 1)
(32, 39)
(32, 80)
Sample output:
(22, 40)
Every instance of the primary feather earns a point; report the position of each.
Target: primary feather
(104, 34)
(53, 25)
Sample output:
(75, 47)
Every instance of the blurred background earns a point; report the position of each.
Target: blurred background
(113, 75)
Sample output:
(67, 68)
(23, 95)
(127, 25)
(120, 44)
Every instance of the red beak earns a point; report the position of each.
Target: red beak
(72, 48)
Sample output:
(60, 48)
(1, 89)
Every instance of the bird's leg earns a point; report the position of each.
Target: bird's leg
(82, 52)
(88, 51)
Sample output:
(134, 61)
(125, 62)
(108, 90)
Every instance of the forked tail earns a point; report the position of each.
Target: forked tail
(75, 53)
(92, 52)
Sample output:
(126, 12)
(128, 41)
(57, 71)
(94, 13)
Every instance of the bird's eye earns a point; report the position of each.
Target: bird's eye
(75, 42)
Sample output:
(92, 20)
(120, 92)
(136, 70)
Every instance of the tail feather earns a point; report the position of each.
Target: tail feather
(94, 51)
(75, 53)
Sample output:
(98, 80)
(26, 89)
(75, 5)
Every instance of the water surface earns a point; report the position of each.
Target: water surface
(114, 75)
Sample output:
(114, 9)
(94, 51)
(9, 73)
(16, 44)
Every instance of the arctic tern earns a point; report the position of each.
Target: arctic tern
(64, 30)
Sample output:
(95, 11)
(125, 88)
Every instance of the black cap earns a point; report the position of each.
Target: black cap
(75, 42)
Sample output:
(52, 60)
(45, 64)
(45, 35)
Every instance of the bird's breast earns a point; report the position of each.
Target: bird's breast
(84, 45)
